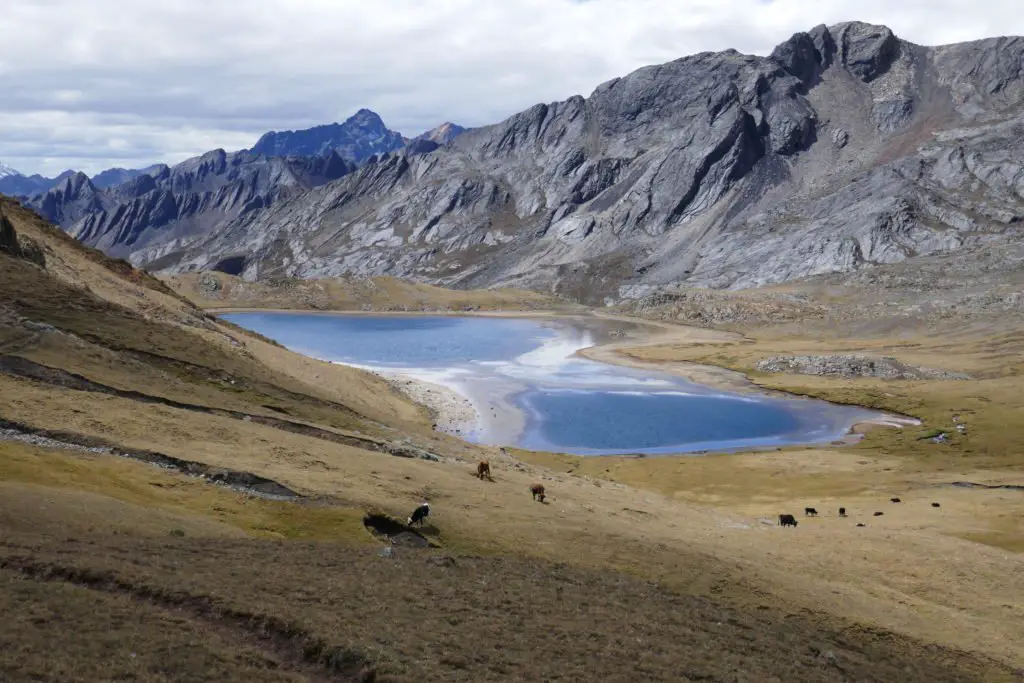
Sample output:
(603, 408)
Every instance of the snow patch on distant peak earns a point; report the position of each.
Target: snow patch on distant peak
(6, 171)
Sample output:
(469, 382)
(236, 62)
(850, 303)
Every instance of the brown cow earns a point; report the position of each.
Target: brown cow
(483, 469)
(538, 492)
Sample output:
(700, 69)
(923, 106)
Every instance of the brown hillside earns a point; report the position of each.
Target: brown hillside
(181, 500)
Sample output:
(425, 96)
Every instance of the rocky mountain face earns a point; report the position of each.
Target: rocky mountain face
(151, 214)
(845, 148)
(358, 138)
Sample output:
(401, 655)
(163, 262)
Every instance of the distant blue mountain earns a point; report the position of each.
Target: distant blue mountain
(15, 184)
(117, 176)
(357, 139)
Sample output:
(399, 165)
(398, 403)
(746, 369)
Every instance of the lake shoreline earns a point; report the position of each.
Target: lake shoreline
(459, 413)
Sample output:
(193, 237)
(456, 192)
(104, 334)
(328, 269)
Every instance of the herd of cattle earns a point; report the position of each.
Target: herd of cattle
(789, 520)
(483, 471)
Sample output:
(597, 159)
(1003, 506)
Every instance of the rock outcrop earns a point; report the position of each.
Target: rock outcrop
(853, 366)
(845, 148)
(12, 245)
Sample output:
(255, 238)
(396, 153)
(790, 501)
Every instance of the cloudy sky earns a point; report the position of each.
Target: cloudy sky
(90, 84)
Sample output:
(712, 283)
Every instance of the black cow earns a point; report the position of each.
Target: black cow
(935, 505)
(811, 512)
(895, 500)
(879, 514)
(842, 512)
(859, 524)
(419, 514)
(787, 520)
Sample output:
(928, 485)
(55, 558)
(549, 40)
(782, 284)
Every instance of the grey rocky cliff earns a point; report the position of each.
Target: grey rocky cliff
(845, 148)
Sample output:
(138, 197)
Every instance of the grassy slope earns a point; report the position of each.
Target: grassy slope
(290, 590)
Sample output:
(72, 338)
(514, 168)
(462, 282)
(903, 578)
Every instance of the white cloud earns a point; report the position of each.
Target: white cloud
(94, 83)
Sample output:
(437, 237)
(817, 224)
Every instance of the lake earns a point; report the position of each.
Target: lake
(530, 390)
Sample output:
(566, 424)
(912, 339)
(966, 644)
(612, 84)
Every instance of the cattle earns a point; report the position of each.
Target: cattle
(483, 469)
(895, 500)
(861, 524)
(538, 492)
(787, 520)
(842, 512)
(935, 505)
(419, 514)
(810, 512)
(879, 514)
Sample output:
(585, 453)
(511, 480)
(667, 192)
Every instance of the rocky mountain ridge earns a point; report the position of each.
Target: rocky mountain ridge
(16, 184)
(143, 213)
(150, 213)
(845, 148)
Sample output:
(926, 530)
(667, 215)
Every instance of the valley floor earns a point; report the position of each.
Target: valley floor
(244, 555)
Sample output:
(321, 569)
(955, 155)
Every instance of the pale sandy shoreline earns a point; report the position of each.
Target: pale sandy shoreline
(455, 413)
(451, 412)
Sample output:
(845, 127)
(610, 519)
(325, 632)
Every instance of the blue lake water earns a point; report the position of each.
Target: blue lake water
(530, 390)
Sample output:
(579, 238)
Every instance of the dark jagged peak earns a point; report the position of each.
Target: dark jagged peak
(360, 136)
(866, 50)
(68, 201)
(76, 183)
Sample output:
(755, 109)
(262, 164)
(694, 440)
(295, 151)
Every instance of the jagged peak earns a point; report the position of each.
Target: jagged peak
(365, 114)
(865, 50)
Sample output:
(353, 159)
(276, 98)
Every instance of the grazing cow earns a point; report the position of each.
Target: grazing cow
(935, 505)
(483, 469)
(879, 514)
(861, 524)
(787, 520)
(842, 512)
(538, 492)
(895, 500)
(810, 512)
(419, 514)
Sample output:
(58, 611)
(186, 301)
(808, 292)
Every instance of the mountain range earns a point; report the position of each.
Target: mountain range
(145, 213)
(844, 148)
(17, 184)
